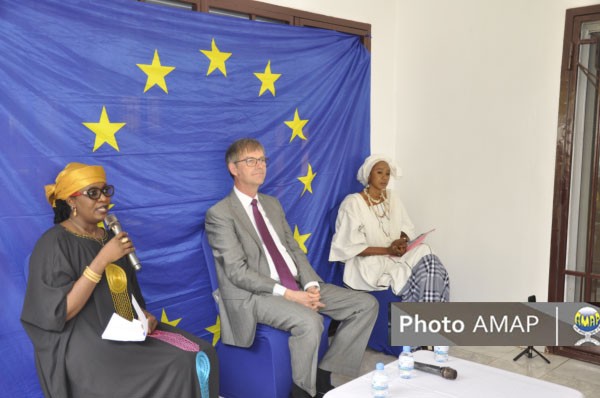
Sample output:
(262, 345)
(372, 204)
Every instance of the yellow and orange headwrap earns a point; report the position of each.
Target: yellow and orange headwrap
(71, 179)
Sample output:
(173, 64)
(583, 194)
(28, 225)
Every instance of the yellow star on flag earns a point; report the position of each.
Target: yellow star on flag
(301, 239)
(217, 59)
(156, 73)
(296, 125)
(215, 330)
(164, 319)
(307, 180)
(105, 131)
(267, 79)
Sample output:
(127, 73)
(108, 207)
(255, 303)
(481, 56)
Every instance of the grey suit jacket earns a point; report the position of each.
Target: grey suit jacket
(242, 267)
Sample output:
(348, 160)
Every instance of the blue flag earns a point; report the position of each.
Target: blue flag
(156, 95)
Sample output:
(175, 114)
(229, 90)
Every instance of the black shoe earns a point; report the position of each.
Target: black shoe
(323, 381)
(297, 392)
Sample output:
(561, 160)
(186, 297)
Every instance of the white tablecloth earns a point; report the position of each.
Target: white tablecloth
(474, 380)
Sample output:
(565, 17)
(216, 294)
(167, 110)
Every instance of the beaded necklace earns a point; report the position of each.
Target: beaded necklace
(380, 209)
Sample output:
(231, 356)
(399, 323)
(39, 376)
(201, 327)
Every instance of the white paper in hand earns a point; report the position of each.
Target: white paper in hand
(121, 329)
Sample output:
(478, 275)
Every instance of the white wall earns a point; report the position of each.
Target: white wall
(468, 91)
(477, 119)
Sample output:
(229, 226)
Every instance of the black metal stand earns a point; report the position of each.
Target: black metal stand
(529, 351)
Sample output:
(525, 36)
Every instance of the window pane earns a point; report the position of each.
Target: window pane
(271, 20)
(171, 3)
(584, 137)
(573, 288)
(228, 13)
(595, 294)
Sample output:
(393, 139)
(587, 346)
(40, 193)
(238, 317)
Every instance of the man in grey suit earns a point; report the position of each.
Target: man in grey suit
(264, 277)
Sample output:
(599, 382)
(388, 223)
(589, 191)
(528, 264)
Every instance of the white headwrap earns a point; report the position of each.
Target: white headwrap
(365, 170)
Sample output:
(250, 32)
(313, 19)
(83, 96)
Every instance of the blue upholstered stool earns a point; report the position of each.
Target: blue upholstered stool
(380, 336)
(262, 370)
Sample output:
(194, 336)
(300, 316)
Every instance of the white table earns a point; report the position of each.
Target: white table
(474, 380)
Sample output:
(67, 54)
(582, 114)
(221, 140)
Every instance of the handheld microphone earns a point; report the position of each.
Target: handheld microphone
(115, 226)
(446, 372)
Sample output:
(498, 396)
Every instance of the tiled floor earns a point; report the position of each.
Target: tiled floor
(579, 375)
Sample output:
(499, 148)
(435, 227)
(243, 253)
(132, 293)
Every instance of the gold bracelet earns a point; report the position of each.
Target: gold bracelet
(94, 273)
(91, 275)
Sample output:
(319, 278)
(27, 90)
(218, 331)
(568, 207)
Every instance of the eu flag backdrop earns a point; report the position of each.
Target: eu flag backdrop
(155, 95)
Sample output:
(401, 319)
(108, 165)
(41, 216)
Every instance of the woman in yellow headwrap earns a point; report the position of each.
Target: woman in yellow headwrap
(79, 276)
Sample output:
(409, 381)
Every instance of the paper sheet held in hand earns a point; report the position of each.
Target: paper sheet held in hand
(121, 329)
(418, 240)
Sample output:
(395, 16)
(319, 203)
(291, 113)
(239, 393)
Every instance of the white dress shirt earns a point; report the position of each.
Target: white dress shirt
(278, 289)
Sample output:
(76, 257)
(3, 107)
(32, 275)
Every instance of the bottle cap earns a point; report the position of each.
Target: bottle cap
(379, 366)
(405, 348)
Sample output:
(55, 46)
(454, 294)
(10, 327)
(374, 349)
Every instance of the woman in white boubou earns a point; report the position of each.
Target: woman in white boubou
(372, 234)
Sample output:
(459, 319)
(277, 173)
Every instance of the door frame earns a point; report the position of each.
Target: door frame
(575, 17)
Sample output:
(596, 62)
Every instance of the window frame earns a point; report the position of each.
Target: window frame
(293, 17)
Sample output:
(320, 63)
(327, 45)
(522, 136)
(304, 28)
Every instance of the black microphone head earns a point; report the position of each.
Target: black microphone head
(449, 373)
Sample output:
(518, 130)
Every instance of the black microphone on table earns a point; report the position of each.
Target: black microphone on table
(115, 226)
(445, 371)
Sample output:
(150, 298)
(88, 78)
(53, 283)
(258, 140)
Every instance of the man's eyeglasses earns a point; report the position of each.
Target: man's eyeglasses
(94, 193)
(252, 162)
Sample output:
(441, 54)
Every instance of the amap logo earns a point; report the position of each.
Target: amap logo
(587, 323)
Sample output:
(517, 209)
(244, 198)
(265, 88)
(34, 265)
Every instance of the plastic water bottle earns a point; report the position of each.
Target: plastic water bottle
(406, 363)
(380, 382)
(440, 353)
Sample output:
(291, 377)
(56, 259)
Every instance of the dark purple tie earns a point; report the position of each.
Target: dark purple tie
(285, 275)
